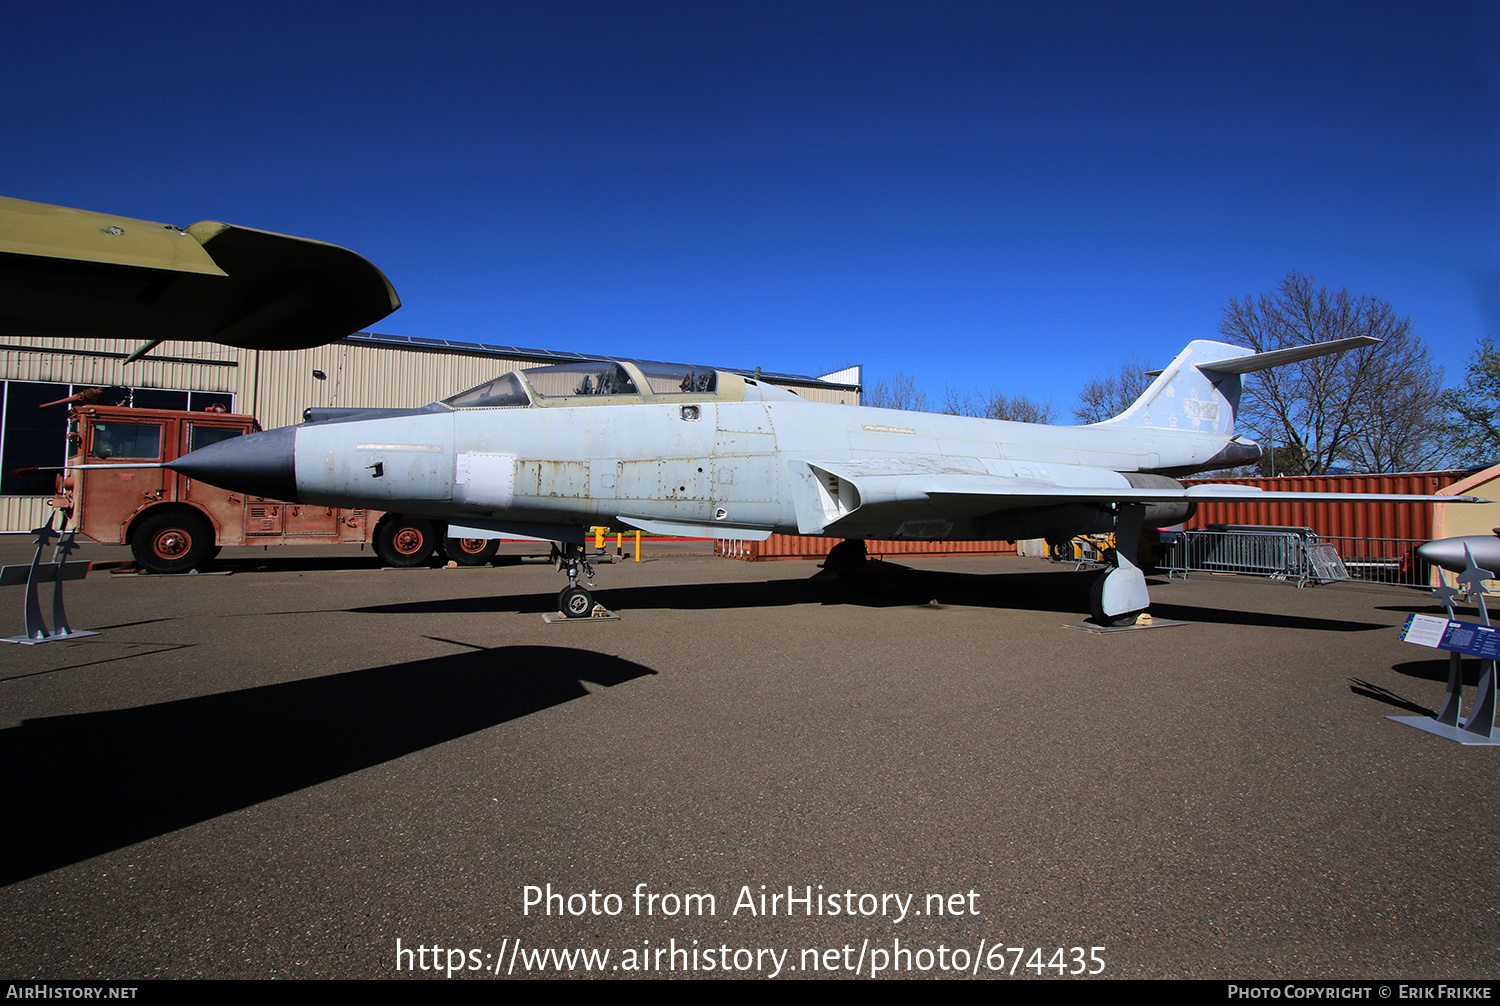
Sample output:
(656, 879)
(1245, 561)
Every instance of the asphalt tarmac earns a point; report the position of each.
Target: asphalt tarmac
(312, 767)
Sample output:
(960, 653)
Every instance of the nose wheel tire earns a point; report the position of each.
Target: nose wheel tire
(575, 602)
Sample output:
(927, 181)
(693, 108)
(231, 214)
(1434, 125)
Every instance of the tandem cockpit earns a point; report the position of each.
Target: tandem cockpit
(587, 382)
(612, 382)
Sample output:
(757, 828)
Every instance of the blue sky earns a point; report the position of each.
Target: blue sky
(980, 194)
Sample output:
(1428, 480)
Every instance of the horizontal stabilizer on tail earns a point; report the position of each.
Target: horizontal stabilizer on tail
(1279, 357)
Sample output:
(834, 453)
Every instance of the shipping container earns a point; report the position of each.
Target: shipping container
(1370, 520)
(791, 546)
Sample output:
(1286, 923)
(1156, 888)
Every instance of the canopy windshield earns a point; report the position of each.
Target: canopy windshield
(503, 392)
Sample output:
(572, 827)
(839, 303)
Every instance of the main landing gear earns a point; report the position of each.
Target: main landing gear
(573, 600)
(1119, 594)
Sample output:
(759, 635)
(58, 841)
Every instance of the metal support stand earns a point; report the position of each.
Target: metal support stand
(1479, 728)
(39, 573)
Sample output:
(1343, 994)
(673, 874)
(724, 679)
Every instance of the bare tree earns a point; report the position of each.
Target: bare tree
(1106, 395)
(960, 403)
(1019, 408)
(1476, 434)
(998, 405)
(900, 392)
(1405, 425)
(1376, 408)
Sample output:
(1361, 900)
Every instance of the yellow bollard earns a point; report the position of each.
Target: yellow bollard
(598, 539)
(619, 548)
(637, 546)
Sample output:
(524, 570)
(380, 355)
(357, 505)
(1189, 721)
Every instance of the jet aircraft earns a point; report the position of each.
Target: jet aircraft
(548, 451)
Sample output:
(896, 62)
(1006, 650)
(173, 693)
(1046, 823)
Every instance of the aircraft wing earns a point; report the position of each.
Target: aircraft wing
(74, 273)
(831, 497)
(1226, 493)
(696, 529)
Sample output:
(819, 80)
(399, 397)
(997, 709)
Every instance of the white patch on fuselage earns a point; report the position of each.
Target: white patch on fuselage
(488, 479)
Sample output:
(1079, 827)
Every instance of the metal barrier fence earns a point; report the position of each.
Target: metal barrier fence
(1383, 560)
(1297, 554)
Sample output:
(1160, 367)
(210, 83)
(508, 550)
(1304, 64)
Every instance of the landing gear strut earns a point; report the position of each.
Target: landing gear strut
(1119, 594)
(848, 556)
(573, 600)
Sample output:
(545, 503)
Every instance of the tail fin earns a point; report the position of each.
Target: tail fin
(1199, 391)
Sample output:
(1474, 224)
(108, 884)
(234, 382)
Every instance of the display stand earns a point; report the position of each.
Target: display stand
(38, 573)
(1481, 640)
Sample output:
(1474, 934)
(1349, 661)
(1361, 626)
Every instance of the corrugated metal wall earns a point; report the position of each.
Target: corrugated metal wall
(22, 513)
(1368, 520)
(101, 362)
(364, 375)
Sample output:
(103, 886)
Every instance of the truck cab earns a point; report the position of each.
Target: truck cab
(172, 523)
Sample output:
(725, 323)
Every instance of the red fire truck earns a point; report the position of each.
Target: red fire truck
(173, 524)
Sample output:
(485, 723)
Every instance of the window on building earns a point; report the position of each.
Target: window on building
(151, 398)
(34, 440)
(210, 401)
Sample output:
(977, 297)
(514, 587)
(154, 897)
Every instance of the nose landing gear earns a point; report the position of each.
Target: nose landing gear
(574, 601)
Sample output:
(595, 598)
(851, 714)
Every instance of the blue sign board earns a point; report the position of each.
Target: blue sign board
(1457, 637)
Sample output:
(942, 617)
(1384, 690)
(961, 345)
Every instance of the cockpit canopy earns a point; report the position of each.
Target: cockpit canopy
(503, 392)
(604, 382)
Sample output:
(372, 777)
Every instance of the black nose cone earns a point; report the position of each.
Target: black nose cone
(256, 464)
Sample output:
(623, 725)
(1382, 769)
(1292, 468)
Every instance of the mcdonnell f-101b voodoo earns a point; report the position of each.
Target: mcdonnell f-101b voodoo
(548, 451)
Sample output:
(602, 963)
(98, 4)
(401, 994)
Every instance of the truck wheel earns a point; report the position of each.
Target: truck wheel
(405, 541)
(173, 542)
(471, 551)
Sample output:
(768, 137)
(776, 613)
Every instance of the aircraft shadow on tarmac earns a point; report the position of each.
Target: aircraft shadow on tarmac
(891, 585)
(273, 563)
(90, 783)
(1462, 610)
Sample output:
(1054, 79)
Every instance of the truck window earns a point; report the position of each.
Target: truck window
(137, 441)
(202, 436)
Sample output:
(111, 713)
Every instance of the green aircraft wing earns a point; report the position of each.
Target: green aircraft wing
(77, 274)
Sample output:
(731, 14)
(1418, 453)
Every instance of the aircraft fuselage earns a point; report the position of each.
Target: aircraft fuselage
(723, 464)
